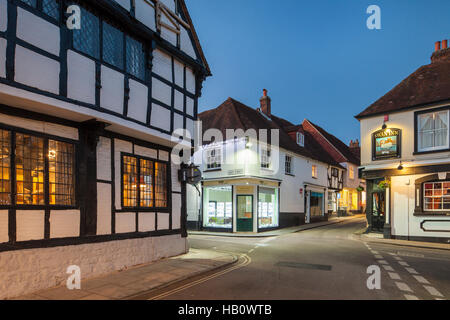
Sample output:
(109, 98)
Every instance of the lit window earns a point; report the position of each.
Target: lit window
(5, 167)
(265, 158)
(351, 172)
(437, 196)
(433, 131)
(144, 183)
(315, 173)
(300, 139)
(214, 158)
(61, 173)
(288, 164)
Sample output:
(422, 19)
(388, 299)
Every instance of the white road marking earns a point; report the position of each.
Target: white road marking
(403, 286)
(251, 250)
(411, 270)
(421, 279)
(394, 276)
(261, 245)
(433, 291)
(375, 252)
(388, 268)
(398, 258)
(392, 254)
(268, 239)
(377, 256)
(383, 262)
(410, 297)
(403, 263)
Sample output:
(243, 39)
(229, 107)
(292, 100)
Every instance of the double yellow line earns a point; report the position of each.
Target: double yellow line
(244, 260)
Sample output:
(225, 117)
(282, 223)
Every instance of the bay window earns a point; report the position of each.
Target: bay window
(433, 133)
(144, 183)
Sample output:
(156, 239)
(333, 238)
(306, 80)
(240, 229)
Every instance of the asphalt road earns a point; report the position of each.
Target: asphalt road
(323, 263)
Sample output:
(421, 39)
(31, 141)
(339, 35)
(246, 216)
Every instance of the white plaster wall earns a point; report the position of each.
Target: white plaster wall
(167, 34)
(3, 15)
(37, 31)
(179, 100)
(192, 203)
(162, 64)
(40, 126)
(30, 225)
(190, 80)
(125, 222)
(81, 78)
(169, 4)
(190, 127)
(4, 233)
(176, 184)
(36, 71)
(146, 221)
(104, 159)
(124, 3)
(3, 43)
(186, 43)
(179, 73)
(145, 152)
(145, 14)
(404, 223)
(19, 275)
(163, 221)
(161, 92)
(64, 224)
(176, 211)
(189, 106)
(112, 91)
(103, 208)
(160, 117)
(137, 105)
(120, 146)
(163, 155)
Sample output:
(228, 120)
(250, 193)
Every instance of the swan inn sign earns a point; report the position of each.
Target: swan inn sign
(386, 144)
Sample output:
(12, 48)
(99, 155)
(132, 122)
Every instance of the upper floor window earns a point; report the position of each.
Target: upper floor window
(433, 133)
(112, 45)
(43, 169)
(49, 7)
(351, 172)
(300, 139)
(214, 158)
(288, 164)
(144, 183)
(135, 58)
(315, 171)
(334, 172)
(87, 38)
(437, 196)
(265, 158)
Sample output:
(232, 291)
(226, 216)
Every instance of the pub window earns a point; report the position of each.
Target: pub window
(314, 171)
(144, 183)
(433, 131)
(5, 167)
(87, 38)
(112, 46)
(135, 57)
(437, 196)
(61, 175)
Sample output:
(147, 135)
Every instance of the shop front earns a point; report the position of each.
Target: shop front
(315, 204)
(243, 205)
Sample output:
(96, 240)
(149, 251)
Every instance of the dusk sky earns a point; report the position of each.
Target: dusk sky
(317, 59)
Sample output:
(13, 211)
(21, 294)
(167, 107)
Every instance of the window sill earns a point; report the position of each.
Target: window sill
(432, 214)
(431, 151)
(213, 170)
(289, 174)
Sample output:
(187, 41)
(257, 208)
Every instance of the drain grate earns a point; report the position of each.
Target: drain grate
(298, 265)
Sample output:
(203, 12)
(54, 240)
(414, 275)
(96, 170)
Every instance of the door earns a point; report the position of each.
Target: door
(378, 211)
(244, 213)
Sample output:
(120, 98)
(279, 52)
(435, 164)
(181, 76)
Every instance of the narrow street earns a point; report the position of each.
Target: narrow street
(324, 263)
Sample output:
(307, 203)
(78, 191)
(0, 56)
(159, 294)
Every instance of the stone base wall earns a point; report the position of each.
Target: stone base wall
(26, 271)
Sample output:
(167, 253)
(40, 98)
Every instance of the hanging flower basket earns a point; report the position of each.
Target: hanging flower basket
(360, 189)
(383, 185)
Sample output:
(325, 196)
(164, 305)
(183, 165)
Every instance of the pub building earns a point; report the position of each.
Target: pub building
(86, 122)
(405, 156)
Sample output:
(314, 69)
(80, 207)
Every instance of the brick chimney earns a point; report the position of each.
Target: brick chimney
(355, 148)
(441, 52)
(265, 103)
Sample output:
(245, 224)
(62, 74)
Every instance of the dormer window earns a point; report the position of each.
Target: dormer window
(300, 139)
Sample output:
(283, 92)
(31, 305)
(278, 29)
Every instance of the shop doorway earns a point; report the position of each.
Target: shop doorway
(378, 210)
(244, 217)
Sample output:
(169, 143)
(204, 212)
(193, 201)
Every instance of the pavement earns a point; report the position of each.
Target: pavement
(140, 280)
(378, 238)
(274, 233)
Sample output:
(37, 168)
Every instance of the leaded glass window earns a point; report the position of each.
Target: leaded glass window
(61, 173)
(5, 167)
(87, 38)
(30, 2)
(130, 180)
(135, 58)
(146, 183)
(112, 46)
(161, 185)
(51, 8)
(437, 196)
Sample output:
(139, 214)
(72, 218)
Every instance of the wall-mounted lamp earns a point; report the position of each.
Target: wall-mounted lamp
(400, 167)
(384, 126)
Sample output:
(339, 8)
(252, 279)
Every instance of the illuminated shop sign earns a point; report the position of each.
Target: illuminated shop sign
(387, 144)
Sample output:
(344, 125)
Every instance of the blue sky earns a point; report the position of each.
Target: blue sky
(317, 59)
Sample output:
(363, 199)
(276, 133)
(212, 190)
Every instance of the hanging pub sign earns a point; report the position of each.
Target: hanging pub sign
(386, 144)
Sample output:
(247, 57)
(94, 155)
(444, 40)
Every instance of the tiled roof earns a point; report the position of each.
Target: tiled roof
(428, 84)
(232, 114)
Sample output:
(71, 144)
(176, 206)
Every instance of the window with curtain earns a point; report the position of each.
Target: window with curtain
(314, 171)
(144, 183)
(433, 131)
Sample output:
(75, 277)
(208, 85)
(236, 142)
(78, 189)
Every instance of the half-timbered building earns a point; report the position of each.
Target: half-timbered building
(90, 94)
